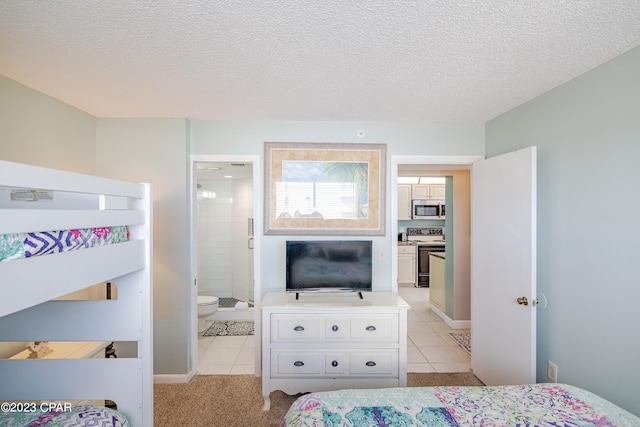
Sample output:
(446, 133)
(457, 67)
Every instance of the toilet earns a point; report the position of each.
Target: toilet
(206, 307)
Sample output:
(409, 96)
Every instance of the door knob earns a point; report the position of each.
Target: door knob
(523, 301)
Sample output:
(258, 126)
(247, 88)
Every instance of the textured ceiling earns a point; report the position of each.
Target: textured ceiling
(332, 60)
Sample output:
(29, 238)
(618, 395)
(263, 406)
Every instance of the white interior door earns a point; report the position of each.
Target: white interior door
(503, 268)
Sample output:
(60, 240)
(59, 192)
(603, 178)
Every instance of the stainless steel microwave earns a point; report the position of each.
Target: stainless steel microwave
(427, 209)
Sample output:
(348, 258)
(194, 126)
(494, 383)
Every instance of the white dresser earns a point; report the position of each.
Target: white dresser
(333, 341)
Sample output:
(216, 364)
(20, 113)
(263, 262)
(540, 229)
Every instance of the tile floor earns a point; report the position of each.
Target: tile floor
(226, 355)
(429, 346)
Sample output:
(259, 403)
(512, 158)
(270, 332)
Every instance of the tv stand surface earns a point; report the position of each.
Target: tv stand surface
(329, 341)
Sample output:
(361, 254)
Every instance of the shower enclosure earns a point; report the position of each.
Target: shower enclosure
(225, 252)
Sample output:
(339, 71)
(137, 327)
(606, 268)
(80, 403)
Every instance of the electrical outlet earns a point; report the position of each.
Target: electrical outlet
(552, 371)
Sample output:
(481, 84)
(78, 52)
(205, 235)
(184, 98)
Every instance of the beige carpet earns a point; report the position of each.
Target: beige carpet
(236, 400)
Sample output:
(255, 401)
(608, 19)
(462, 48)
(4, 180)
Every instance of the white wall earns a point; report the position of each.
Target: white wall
(588, 137)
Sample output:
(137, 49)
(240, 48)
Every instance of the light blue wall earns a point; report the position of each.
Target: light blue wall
(448, 233)
(39, 130)
(588, 137)
(247, 138)
(155, 151)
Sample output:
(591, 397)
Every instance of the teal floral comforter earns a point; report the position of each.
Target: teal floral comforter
(77, 416)
(543, 405)
(25, 245)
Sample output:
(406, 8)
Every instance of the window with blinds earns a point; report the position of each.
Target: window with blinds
(328, 200)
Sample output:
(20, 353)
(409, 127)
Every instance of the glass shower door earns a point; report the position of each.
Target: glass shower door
(251, 280)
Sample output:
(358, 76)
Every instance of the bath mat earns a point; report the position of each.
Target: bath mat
(463, 340)
(230, 302)
(229, 327)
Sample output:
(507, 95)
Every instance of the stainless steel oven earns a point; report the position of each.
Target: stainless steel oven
(423, 263)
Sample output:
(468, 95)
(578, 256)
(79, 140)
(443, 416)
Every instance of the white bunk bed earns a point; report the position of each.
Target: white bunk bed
(28, 285)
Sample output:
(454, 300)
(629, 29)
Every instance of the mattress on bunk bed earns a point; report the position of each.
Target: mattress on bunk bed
(522, 405)
(36, 415)
(25, 245)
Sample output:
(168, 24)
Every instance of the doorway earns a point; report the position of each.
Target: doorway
(225, 218)
(458, 235)
(224, 199)
(431, 347)
(507, 176)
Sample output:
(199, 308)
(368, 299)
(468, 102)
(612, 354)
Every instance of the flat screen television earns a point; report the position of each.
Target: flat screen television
(329, 266)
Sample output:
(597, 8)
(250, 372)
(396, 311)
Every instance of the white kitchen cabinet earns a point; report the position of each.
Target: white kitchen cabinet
(404, 201)
(438, 191)
(428, 191)
(437, 291)
(407, 268)
(408, 192)
(332, 341)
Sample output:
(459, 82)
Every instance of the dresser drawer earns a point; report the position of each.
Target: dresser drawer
(383, 327)
(286, 327)
(296, 363)
(378, 362)
(332, 364)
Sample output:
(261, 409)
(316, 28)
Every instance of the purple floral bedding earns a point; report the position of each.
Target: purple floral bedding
(77, 416)
(25, 245)
(543, 405)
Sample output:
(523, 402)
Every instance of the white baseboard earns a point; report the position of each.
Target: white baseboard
(453, 324)
(172, 379)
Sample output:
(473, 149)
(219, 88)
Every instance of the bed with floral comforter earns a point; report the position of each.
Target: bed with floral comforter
(39, 415)
(26, 245)
(522, 405)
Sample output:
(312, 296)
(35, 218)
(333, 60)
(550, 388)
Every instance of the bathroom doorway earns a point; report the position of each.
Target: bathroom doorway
(225, 229)
(224, 198)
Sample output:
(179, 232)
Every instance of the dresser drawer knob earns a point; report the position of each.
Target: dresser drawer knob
(370, 328)
(298, 363)
(299, 328)
(334, 363)
(370, 363)
(334, 328)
